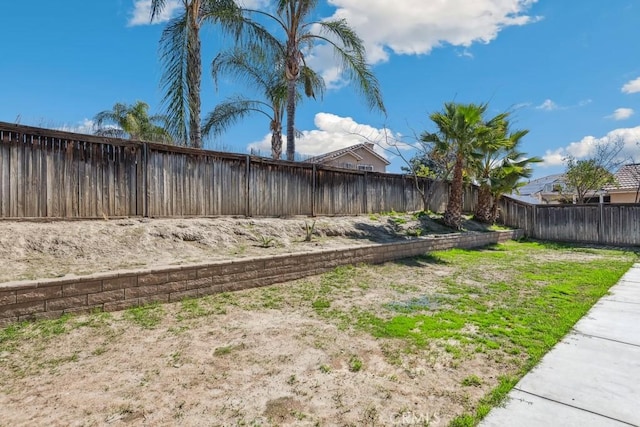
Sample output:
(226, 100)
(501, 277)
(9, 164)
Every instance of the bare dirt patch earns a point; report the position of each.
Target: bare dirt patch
(302, 353)
(260, 357)
(32, 250)
(242, 364)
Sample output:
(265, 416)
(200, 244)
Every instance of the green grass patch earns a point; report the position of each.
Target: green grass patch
(147, 316)
(472, 381)
(512, 301)
(355, 364)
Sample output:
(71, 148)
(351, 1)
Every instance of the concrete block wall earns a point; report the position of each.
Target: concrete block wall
(51, 298)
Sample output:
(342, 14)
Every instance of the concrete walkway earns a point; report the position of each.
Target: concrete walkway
(590, 378)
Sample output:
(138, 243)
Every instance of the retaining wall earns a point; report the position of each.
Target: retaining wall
(50, 298)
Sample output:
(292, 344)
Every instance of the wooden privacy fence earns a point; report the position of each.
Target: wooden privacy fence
(53, 174)
(607, 224)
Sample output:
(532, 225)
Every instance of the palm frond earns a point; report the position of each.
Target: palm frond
(174, 45)
(350, 52)
(230, 112)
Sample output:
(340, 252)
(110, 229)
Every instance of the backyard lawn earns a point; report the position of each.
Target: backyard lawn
(432, 340)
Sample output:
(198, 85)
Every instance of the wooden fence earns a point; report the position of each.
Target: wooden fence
(607, 224)
(53, 174)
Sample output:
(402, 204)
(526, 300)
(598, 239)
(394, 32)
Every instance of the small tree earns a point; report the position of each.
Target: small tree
(427, 167)
(583, 177)
(132, 122)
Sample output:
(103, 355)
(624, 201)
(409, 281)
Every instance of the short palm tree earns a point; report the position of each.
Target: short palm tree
(295, 33)
(498, 165)
(132, 122)
(509, 176)
(488, 155)
(251, 66)
(459, 127)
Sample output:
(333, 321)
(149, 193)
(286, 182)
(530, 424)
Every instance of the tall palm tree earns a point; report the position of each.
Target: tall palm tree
(295, 34)
(459, 126)
(180, 49)
(132, 122)
(252, 66)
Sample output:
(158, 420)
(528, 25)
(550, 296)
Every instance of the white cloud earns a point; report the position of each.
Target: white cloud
(322, 59)
(586, 146)
(547, 105)
(85, 126)
(141, 14)
(333, 133)
(621, 114)
(632, 86)
(415, 27)
(553, 158)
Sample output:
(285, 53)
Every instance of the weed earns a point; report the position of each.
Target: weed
(271, 298)
(355, 364)
(370, 416)
(47, 328)
(325, 369)
(267, 242)
(223, 351)
(472, 381)
(309, 229)
(320, 304)
(176, 359)
(398, 220)
(453, 350)
(191, 308)
(99, 351)
(414, 232)
(147, 316)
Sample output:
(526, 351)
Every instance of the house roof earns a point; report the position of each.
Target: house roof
(627, 177)
(348, 150)
(537, 185)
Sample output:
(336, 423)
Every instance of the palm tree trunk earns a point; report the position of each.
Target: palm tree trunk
(194, 79)
(483, 208)
(453, 213)
(291, 116)
(494, 209)
(276, 141)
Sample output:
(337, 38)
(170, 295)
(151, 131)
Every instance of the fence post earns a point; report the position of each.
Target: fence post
(246, 186)
(601, 225)
(145, 180)
(404, 196)
(314, 172)
(534, 221)
(364, 193)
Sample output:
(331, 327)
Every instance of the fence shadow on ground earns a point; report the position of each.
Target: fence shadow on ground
(421, 261)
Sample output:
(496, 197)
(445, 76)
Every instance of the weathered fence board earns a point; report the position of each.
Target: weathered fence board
(607, 224)
(53, 174)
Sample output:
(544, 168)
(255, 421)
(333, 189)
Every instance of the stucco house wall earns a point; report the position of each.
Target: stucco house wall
(623, 197)
(357, 157)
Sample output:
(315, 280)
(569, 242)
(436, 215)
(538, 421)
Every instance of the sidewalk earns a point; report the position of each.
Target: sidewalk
(590, 378)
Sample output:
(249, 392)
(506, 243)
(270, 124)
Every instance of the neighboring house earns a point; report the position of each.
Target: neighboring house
(546, 190)
(359, 157)
(627, 189)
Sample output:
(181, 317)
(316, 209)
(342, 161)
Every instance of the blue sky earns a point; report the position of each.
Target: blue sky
(569, 71)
